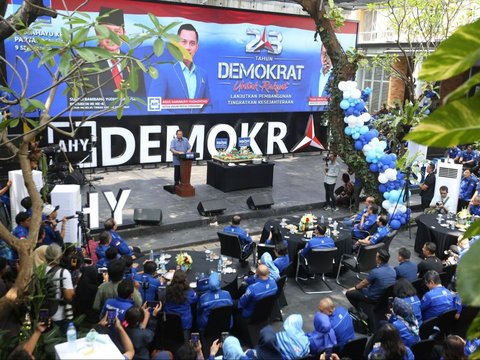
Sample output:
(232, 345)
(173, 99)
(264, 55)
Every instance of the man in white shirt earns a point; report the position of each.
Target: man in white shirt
(441, 202)
(332, 170)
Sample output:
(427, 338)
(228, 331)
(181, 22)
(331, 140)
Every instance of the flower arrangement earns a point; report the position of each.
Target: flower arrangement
(184, 260)
(463, 215)
(306, 222)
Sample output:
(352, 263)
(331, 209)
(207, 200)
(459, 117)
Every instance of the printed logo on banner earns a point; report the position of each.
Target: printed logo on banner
(221, 143)
(244, 142)
(154, 103)
(271, 41)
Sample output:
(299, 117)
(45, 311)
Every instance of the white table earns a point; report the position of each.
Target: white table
(104, 348)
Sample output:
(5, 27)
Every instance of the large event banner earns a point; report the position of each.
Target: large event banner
(243, 61)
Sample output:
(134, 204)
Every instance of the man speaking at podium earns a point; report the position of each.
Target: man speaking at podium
(178, 146)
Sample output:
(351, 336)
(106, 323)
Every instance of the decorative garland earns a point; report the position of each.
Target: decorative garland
(391, 181)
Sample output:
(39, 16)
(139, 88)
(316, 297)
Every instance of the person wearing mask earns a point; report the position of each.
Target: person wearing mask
(283, 260)
(405, 268)
(136, 320)
(292, 342)
(438, 299)
(263, 286)
(215, 297)
(323, 336)
(366, 222)
(147, 282)
(340, 320)
(267, 347)
(427, 188)
(332, 169)
(431, 262)
(404, 290)
(390, 345)
(403, 318)
(179, 298)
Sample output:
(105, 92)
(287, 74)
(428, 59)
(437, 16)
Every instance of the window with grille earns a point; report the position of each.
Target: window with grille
(378, 80)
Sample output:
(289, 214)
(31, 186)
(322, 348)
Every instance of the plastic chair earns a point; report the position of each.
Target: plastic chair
(427, 327)
(388, 239)
(219, 321)
(231, 245)
(250, 328)
(319, 261)
(422, 349)
(366, 260)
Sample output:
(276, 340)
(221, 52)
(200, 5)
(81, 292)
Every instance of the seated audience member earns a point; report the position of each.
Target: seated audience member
(104, 244)
(122, 302)
(148, 283)
(441, 203)
(23, 224)
(390, 345)
(406, 268)
(318, 241)
(233, 350)
(438, 299)
(108, 290)
(126, 343)
(52, 235)
(323, 336)
(267, 347)
(468, 156)
(366, 222)
(110, 225)
(340, 320)
(179, 298)
(453, 153)
(467, 189)
(403, 318)
(276, 238)
(378, 236)
(136, 319)
(371, 289)
(344, 192)
(404, 290)
(431, 262)
(355, 219)
(273, 272)
(215, 297)
(235, 228)
(3, 270)
(263, 286)
(292, 342)
(112, 254)
(283, 260)
(474, 208)
(86, 291)
(454, 348)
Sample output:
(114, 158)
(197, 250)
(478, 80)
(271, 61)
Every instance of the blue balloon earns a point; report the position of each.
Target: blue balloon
(344, 104)
(403, 221)
(363, 129)
(395, 224)
(355, 135)
(360, 105)
(373, 167)
(349, 111)
(358, 145)
(382, 188)
(356, 112)
(375, 133)
(348, 131)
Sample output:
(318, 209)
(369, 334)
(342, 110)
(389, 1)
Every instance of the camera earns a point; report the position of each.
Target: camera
(439, 203)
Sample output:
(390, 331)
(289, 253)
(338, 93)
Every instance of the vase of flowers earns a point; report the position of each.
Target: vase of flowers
(463, 215)
(306, 222)
(184, 261)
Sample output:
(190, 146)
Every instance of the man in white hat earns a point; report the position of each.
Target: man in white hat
(52, 234)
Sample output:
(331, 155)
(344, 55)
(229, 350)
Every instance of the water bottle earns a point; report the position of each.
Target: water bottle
(328, 233)
(71, 335)
(220, 265)
(151, 255)
(322, 220)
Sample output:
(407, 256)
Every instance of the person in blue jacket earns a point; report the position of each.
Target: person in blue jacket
(104, 244)
(323, 337)
(292, 342)
(355, 219)
(454, 153)
(263, 286)
(318, 241)
(179, 298)
(404, 290)
(117, 241)
(438, 299)
(378, 236)
(406, 268)
(366, 222)
(235, 228)
(467, 189)
(283, 260)
(390, 344)
(474, 208)
(340, 320)
(276, 238)
(23, 224)
(403, 318)
(122, 302)
(148, 282)
(213, 298)
(273, 271)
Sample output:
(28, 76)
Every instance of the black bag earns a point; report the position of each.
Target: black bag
(360, 322)
(50, 300)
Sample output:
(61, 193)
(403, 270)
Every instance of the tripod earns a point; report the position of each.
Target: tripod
(84, 232)
(405, 198)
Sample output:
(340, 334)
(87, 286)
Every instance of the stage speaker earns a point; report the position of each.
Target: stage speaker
(147, 216)
(211, 207)
(260, 201)
(74, 178)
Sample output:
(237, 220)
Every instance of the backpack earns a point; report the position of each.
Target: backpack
(50, 300)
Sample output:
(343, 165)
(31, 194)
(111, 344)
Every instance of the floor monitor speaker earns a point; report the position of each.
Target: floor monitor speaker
(260, 201)
(147, 216)
(211, 207)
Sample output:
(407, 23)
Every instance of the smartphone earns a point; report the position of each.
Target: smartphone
(162, 291)
(87, 261)
(43, 316)
(152, 304)
(224, 335)
(195, 338)
(103, 270)
(111, 315)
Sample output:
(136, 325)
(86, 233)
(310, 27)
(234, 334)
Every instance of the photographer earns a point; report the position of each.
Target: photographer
(52, 235)
(441, 203)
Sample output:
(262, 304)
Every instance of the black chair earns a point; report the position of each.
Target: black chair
(289, 269)
(368, 347)
(464, 321)
(366, 233)
(388, 239)
(380, 309)
(263, 248)
(279, 297)
(231, 245)
(366, 260)
(423, 349)
(169, 332)
(447, 274)
(318, 261)
(250, 328)
(420, 286)
(352, 349)
(427, 327)
(447, 322)
(218, 321)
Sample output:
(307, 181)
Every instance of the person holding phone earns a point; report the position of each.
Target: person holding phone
(136, 323)
(129, 350)
(122, 302)
(147, 282)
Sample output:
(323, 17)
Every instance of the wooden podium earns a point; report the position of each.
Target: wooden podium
(185, 189)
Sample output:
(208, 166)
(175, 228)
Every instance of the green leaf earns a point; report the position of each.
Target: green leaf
(140, 65)
(155, 22)
(80, 36)
(171, 26)
(14, 122)
(86, 54)
(463, 90)
(144, 27)
(176, 50)
(32, 122)
(455, 55)
(468, 281)
(120, 112)
(153, 72)
(102, 31)
(133, 78)
(452, 124)
(473, 230)
(100, 52)
(65, 35)
(158, 46)
(38, 104)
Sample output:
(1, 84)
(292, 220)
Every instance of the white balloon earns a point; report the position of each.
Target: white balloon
(346, 94)
(356, 94)
(391, 174)
(391, 210)
(382, 145)
(382, 178)
(365, 117)
(342, 86)
(386, 204)
(402, 208)
(345, 119)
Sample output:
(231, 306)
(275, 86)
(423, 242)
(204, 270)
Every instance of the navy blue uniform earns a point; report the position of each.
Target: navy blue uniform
(379, 235)
(379, 279)
(242, 234)
(120, 244)
(281, 263)
(407, 270)
(342, 325)
(118, 304)
(318, 242)
(184, 309)
(367, 224)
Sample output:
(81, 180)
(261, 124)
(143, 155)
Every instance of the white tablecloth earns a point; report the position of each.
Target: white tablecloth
(103, 348)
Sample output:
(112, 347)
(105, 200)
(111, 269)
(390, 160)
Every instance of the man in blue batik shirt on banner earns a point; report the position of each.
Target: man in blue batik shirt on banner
(179, 145)
(318, 83)
(235, 228)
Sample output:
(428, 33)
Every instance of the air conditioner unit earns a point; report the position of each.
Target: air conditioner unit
(450, 175)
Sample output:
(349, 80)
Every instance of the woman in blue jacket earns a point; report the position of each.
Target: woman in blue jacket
(323, 337)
